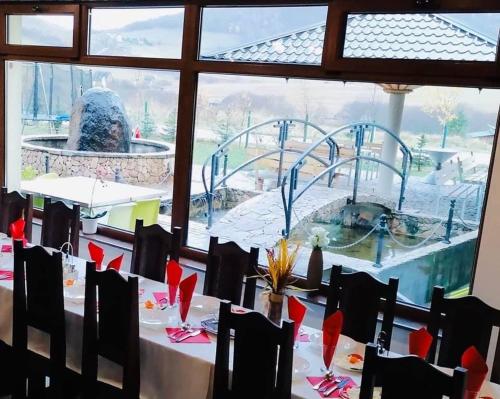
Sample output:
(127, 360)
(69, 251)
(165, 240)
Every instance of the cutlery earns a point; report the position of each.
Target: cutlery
(331, 383)
(340, 385)
(190, 335)
(179, 333)
(325, 382)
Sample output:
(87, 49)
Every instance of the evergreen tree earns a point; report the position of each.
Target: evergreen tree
(148, 126)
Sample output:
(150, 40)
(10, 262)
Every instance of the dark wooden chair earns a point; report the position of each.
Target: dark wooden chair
(228, 269)
(13, 206)
(38, 303)
(115, 336)
(359, 296)
(153, 246)
(260, 370)
(464, 322)
(408, 377)
(60, 224)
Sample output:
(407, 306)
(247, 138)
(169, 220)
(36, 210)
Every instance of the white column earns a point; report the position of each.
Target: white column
(13, 114)
(390, 146)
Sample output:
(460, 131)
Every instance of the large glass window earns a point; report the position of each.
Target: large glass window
(154, 32)
(251, 133)
(454, 37)
(74, 126)
(285, 35)
(40, 30)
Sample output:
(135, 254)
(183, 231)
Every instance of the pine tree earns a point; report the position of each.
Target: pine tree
(148, 125)
(422, 141)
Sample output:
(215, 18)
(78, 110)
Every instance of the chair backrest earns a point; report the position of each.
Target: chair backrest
(153, 246)
(147, 210)
(464, 322)
(116, 335)
(38, 303)
(408, 377)
(262, 356)
(12, 206)
(359, 296)
(122, 216)
(60, 224)
(227, 267)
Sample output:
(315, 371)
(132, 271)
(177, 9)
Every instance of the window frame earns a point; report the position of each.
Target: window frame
(338, 11)
(37, 50)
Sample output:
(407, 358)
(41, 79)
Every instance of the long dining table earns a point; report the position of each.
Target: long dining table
(168, 370)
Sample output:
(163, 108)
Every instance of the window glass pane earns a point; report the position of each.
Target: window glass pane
(59, 128)
(40, 30)
(449, 132)
(286, 35)
(136, 32)
(457, 37)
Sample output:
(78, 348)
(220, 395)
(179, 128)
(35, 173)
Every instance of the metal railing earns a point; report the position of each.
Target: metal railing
(218, 178)
(358, 130)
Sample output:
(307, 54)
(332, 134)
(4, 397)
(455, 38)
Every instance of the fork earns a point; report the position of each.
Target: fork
(176, 334)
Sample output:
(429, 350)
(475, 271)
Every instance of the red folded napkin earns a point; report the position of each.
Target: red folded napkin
(476, 371)
(173, 274)
(332, 327)
(6, 275)
(160, 297)
(296, 312)
(335, 394)
(17, 229)
(420, 342)
(6, 248)
(202, 338)
(115, 263)
(186, 289)
(96, 254)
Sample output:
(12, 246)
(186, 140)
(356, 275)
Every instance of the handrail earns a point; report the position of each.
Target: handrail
(359, 129)
(283, 124)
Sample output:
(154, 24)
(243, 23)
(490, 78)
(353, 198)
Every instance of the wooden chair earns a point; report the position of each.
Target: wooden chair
(227, 267)
(115, 337)
(258, 370)
(359, 296)
(464, 322)
(60, 224)
(153, 246)
(408, 377)
(38, 303)
(12, 206)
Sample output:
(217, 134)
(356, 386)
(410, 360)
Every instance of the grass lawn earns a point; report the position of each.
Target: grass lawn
(203, 149)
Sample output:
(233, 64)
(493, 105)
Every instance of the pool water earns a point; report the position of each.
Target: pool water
(367, 249)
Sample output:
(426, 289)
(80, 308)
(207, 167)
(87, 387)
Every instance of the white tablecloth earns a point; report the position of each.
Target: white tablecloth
(168, 370)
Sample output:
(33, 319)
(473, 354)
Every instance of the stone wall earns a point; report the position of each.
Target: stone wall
(134, 168)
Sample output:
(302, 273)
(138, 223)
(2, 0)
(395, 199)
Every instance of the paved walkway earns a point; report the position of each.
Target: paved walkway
(259, 221)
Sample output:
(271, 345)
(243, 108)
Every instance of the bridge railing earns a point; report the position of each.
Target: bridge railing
(218, 177)
(291, 192)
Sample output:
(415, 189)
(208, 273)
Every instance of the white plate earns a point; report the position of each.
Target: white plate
(346, 347)
(76, 292)
(205, 304)
(301, 367)
(156, 318)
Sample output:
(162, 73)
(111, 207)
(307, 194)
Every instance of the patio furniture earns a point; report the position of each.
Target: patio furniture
(147, 211)
(408, 377)
(115, 338)
(122, 216)
(257, 369)
(13, 206)
(464, 322)
(153, 247)
(78, 190)
(359, 296)
(38, 200)
(38, 304)
(60, 224)
(228, 267)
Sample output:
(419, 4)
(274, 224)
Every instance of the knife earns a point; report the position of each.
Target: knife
(190, 335)
(340, 385)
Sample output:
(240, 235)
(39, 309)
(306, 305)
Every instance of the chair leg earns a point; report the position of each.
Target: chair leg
(36, 386)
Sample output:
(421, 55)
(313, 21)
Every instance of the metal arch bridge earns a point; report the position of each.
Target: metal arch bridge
(288, 181)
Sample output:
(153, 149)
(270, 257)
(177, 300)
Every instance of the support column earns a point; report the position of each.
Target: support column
(390, 146)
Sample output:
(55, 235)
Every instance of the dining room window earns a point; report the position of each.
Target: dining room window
(283, 35)
(253, 133)
(104, 123)
(152, 32)
(40, 30)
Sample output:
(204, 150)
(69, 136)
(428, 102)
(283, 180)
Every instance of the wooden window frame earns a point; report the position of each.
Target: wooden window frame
(338, 11)
(190, 67)
(40, 9)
